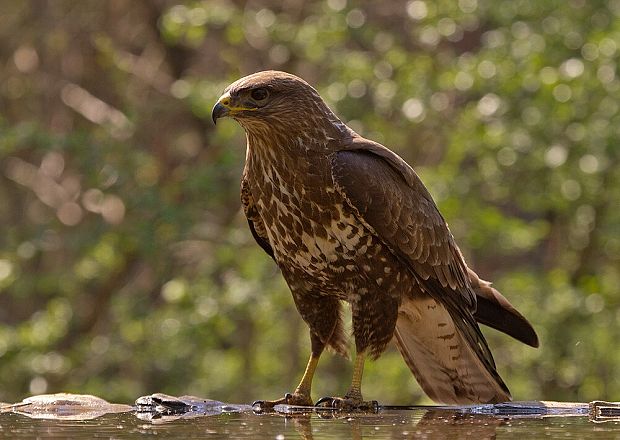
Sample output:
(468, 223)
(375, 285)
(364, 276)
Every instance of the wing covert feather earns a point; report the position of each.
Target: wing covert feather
(391, 199)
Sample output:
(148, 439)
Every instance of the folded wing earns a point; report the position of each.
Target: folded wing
(389, 198)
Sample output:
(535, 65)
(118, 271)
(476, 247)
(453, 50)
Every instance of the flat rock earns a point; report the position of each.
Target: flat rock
(531, 408)
(166, 407)
(65, 406)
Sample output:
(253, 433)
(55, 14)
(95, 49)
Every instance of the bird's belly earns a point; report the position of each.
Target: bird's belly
(327, 246)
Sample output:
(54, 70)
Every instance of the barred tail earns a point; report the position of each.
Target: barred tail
(449, 359)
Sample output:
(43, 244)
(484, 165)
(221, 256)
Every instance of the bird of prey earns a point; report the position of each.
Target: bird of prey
(348, 221)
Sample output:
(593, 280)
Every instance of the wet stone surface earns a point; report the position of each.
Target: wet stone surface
(85, 416)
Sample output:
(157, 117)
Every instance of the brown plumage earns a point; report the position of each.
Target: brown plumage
(346, 219)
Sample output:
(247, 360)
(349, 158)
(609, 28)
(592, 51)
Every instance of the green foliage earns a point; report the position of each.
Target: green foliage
(127, 268)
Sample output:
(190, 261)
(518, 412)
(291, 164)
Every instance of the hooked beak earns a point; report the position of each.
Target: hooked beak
(228, 106)
(219, 111)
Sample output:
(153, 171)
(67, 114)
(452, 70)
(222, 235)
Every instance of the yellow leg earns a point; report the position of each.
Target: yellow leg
(352, 401)
(300, 397)
(356, 382)
(305, 385)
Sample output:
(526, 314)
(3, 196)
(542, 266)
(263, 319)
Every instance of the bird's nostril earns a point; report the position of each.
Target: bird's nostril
(225, 101)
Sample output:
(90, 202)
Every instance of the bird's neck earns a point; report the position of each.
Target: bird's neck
(280, 152)
(303, 138)
(309, 126)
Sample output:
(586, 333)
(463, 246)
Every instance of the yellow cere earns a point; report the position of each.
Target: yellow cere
(226, 102)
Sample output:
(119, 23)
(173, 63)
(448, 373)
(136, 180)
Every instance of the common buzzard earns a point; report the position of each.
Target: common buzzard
(347, 220)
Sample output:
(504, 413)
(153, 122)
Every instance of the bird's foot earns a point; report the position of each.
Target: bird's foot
(295, 399)
(348, 404)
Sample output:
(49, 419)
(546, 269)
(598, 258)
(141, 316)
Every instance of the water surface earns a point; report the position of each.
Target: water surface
(216, 420)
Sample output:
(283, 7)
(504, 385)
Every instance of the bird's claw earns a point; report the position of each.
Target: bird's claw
(325, 402)
(295, 399)
(348, 404)
(258, 406)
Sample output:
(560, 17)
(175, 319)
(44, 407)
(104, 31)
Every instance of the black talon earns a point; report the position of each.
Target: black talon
(327, 399)
(287, 397)
(258, 406)
(372, 405)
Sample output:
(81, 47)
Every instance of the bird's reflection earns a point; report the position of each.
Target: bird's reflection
(453, 425)
(422, 423)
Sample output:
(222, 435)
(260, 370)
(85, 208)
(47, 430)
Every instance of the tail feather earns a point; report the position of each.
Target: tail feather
(449, 366)
(494, 310)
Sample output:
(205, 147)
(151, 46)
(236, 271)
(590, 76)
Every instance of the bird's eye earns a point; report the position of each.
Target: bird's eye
(259, 94)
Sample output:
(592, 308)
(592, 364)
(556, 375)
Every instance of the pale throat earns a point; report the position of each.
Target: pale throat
(285, 147)
(287, 162)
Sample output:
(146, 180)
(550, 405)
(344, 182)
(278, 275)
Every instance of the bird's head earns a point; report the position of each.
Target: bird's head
(272, 100)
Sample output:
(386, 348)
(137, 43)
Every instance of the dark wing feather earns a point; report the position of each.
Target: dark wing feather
(257, 227)
(389, 196)
(496, 311)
